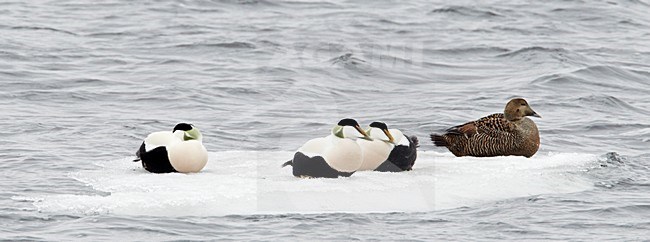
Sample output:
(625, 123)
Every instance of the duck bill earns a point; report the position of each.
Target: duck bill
(534, 114)
(361, 131)
(390, 136)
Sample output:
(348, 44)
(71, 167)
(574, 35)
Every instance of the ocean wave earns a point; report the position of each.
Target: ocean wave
(110, 34)
(615, 170)
(236, 3)
(228, 45)
(620, 73)
(346, 59)
(608, 102)
(487, 50)
(354, 66)
(466, 11)
(532, 50)
(596, 78)
(44, 28)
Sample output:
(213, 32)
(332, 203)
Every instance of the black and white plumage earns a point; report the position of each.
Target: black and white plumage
(389, 151)
(180, 150)
(330, 157)
(403, 156)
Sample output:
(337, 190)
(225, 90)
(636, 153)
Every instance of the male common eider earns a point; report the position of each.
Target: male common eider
(180, 150)
(390, 150)
(501, 134)
(377, 150)
(332, 156)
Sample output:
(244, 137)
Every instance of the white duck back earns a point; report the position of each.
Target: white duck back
(160, 138)
(314, 147)
(343, 154)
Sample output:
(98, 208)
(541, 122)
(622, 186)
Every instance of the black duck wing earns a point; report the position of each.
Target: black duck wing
(402, 157)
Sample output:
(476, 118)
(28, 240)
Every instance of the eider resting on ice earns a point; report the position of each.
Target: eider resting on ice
(332, 156)
(501, 134)
(180, 150)
(387, 153)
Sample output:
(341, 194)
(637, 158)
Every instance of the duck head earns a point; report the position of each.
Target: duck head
(349, 128)
(187, 132)
(379, 130)
(517, 109)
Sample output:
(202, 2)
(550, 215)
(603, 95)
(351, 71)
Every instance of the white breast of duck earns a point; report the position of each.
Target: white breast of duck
(375, 151)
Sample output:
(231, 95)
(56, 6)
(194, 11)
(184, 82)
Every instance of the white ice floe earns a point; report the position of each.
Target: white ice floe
(252, 182)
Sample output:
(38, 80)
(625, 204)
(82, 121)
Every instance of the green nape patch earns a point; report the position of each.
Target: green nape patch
(191, 134)
(338, 131)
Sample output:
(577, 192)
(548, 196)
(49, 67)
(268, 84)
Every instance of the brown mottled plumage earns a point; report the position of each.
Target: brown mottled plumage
(501, 134)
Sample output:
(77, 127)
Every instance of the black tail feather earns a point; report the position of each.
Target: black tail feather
(415, 141)
(139, 152)
(288, 163)
(439, 140)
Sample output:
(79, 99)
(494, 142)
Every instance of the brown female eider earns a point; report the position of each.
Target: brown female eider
(500, 134)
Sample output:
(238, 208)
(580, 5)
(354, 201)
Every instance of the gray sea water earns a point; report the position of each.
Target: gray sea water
(83, 82)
